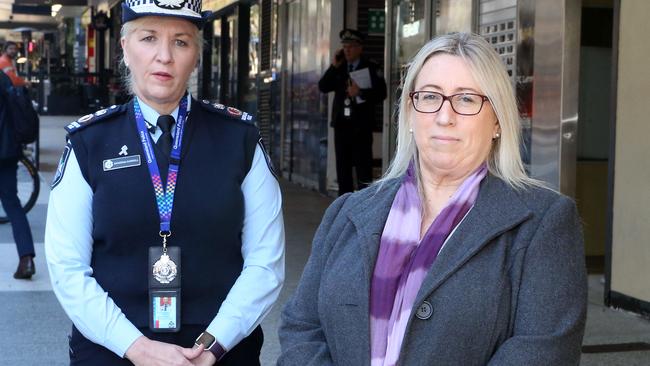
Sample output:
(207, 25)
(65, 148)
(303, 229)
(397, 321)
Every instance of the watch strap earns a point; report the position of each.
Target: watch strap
(217, 350)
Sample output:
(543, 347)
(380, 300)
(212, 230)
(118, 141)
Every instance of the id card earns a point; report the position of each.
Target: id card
(165, 310)
(346, 111)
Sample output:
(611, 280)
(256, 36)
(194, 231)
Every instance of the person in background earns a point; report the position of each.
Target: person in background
(164, 235)
(353, 111)
(455, 257)
(10, 152)
(8, 64)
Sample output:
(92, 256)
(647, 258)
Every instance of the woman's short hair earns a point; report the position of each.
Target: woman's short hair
(504, 160)
(126, 30)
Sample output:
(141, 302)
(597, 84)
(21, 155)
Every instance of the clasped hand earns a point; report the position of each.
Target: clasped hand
(146, 352)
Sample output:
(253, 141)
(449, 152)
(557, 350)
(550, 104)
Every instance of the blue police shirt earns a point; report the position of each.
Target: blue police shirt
(69, 246)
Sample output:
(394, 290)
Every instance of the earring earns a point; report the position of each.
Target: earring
(497, 135)
(410, 130)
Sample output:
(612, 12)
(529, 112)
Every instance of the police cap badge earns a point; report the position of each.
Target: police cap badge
(186, 9)
(351, 35)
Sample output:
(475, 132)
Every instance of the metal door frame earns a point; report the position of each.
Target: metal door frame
(388, 144)
(555, 93)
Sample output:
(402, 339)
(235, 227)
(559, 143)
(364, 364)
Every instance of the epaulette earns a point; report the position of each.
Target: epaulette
(227, 111)
(89, 119)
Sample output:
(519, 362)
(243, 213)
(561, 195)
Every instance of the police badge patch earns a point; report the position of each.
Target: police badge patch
(60, 169)
(169, 4)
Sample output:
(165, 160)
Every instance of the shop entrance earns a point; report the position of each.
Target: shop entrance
(594, 111)
(230, 57)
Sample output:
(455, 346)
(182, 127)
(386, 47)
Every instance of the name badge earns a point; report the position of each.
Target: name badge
(346, 112)
(121, 163)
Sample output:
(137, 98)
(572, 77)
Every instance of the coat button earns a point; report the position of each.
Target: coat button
(424, 311)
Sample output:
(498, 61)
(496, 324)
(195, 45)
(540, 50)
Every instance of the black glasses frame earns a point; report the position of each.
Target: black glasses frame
(413, 94)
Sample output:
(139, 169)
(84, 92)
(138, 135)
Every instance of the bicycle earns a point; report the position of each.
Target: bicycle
(29, 186)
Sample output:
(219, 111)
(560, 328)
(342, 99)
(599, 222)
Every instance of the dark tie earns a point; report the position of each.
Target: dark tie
(350, 68)
(165, 123)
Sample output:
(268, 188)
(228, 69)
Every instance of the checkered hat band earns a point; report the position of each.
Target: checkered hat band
(186, 8)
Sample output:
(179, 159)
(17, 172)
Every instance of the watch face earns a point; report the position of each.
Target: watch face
(206, 339)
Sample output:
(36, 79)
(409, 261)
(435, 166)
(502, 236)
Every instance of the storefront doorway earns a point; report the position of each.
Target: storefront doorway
(594, 112)
(230, 58)
(413, 23)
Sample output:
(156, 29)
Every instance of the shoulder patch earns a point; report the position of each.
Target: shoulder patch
(269, 163)
(60, 169)
(226, 111)
(89, 119)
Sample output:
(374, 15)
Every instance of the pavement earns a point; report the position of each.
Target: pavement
(34, 328)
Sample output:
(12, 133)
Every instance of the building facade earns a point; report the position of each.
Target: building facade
(577, 67)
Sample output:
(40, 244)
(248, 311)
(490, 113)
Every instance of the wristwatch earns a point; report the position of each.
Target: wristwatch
(210, 344)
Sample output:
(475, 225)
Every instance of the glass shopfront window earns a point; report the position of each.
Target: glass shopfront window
(414, 23)
(249, 87)
(410, 31)
(454, 16)
(215, 90)
(230, 58)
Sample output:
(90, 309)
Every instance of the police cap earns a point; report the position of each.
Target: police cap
(185, 9)
(351, 35)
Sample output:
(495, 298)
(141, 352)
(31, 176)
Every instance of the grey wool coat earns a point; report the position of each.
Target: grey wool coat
(508, 288)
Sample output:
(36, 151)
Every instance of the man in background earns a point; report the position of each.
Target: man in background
(358, 87)
(8, 66)
(10, 152)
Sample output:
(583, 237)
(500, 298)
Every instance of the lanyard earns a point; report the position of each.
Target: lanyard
(164, 195)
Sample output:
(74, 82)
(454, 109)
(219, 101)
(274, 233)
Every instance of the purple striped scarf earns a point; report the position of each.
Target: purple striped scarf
(404, 261)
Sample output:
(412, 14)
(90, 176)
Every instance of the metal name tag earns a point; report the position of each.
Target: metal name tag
(121, 163)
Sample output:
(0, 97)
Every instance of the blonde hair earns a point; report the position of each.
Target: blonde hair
(504, 159)
(127, 29)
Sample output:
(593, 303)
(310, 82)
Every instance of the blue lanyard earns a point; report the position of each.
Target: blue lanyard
(164, 195)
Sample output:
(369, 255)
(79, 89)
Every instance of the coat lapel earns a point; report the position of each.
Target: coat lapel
(486, 220)
(369, 218)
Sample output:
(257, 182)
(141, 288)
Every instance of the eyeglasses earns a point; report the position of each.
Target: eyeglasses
(465, 104)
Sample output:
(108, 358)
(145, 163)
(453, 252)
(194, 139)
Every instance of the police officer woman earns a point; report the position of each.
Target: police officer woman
(164, 237)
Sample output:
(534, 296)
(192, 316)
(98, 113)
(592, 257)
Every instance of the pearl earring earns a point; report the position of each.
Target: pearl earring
(497, 135)
(410, 130)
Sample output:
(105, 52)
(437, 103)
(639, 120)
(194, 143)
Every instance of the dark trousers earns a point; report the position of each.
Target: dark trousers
(353, 150)
(86, 353)
(13, 209)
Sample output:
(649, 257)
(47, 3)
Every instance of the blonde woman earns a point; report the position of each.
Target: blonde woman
(164, 237)
(455, 257)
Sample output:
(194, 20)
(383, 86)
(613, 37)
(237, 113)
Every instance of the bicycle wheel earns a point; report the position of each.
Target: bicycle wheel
(28, 186)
